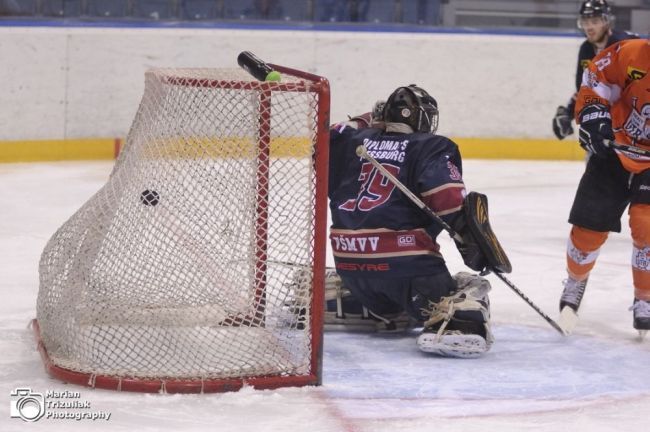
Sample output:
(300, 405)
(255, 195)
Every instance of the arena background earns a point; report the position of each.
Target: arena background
(72, 84)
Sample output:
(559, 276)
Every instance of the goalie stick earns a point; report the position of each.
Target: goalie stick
(362, 152)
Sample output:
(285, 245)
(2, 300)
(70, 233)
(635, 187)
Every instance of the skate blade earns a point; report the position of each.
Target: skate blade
(456, 346)
(357, 324)
(568, 320)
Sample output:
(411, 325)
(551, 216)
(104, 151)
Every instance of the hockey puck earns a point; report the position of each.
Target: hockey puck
(149, 197)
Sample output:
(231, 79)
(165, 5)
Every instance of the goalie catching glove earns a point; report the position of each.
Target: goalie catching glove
(480, 248)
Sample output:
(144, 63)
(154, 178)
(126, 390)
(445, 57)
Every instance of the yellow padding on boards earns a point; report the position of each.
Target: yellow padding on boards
(522, 148)
(107, 148)
(57, 150)
(226, 147)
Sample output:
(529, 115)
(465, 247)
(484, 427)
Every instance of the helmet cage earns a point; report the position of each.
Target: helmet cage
(412, 106)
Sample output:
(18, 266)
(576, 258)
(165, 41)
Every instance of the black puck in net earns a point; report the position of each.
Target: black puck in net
(149, 197)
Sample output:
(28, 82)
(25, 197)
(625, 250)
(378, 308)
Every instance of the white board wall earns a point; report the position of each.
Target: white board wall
(87, 82)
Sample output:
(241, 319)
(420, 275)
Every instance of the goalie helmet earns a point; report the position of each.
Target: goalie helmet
(413, 106)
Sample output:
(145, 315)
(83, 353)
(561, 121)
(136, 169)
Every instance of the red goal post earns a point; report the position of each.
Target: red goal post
(199, 266)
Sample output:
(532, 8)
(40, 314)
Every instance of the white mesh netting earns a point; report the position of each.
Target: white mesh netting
(192, 261)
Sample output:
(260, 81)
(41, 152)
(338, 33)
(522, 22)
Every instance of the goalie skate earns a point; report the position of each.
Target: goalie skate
(366, 321)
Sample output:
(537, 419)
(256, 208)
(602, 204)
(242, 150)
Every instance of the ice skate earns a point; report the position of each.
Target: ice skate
(459, 324)
(570, 301)
(641, 309)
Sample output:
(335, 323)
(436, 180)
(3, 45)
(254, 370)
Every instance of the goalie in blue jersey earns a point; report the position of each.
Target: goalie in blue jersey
(389, 263)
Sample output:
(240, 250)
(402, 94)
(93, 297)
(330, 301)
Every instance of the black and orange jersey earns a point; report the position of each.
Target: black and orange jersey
(618, 78)
(587, 52)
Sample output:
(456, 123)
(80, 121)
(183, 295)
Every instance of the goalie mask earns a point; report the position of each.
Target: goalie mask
(412, 106)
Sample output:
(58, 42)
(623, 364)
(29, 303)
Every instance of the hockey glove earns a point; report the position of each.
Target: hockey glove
(562, 123)
(472, 255)
(361, 121)
(378, 111)
(469, 249)
(596, 130)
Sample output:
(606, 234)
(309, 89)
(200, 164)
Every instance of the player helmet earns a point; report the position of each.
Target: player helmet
(413, 106)
(592, 8)
(595, 8)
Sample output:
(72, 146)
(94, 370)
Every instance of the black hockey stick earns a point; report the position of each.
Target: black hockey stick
(363, 152)
(628, 148)
(257, 67)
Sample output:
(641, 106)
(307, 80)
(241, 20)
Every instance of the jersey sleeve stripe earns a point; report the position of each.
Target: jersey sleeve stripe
(443, 187)
(445, 200)
(450, 211)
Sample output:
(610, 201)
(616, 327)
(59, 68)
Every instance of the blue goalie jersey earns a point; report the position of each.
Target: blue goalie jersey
(376, 230)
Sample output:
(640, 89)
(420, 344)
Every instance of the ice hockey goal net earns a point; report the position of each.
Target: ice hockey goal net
(198, 267)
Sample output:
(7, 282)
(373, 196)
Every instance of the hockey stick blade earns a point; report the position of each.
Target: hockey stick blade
(363, 153)
(568, 320)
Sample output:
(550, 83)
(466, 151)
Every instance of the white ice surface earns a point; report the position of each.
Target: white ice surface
(533, 379)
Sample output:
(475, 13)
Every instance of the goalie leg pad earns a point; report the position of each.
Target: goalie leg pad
(459, 324)
(450, 344)
(475, 208)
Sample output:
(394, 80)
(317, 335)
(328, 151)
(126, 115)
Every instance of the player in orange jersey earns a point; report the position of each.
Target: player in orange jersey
(613, 106)
(597, 23)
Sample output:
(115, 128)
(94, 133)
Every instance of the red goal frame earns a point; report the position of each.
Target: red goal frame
(307, 83)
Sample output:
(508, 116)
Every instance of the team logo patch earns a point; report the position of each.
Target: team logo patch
(636, 123)
(454, 172)
(406, 240)
(635, 73)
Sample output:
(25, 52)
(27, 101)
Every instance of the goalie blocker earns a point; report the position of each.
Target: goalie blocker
(479, 232)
